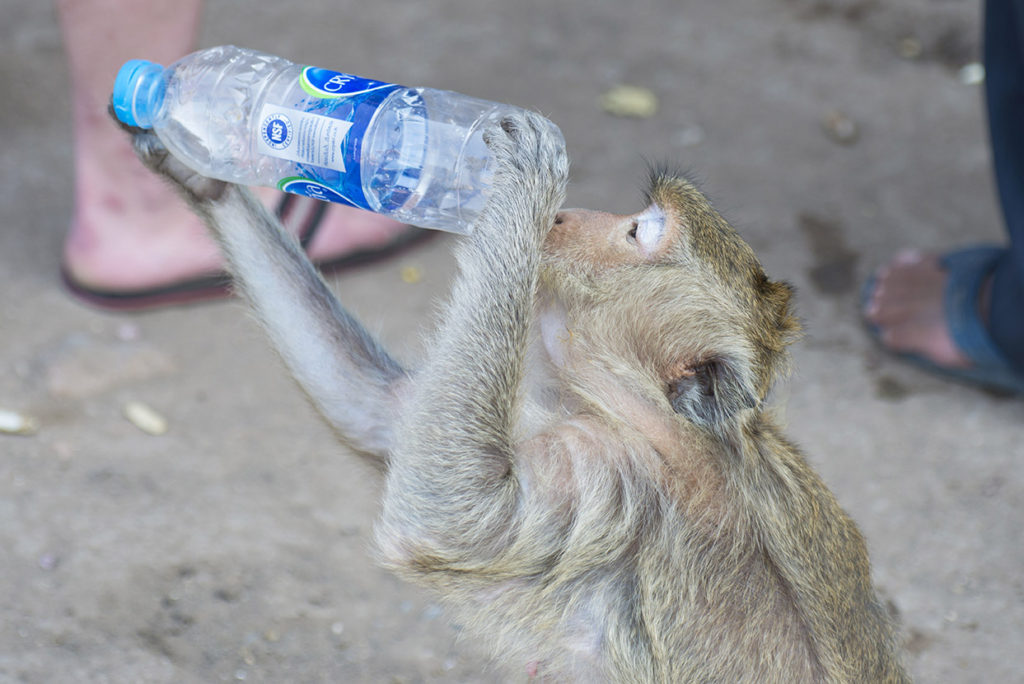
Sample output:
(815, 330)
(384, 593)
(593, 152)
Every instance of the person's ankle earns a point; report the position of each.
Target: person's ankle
(109, 248)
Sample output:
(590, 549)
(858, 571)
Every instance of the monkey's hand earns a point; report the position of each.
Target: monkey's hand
(196, 188)
(531, 172)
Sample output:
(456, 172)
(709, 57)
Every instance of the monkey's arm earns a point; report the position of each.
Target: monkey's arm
(348, 375)
(452, 487)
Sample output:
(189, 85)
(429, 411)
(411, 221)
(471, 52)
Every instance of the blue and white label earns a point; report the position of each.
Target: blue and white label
(277, 131)
(303, 137)
(310, 188)
(326, 83)
(318, 123)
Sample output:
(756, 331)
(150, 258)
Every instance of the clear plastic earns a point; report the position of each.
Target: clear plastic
(415, 154)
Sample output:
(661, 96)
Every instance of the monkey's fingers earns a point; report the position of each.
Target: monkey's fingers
(528, 149)
(155, 156)
(514, 141)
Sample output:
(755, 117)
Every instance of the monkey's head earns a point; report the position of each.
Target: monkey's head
(672, 293)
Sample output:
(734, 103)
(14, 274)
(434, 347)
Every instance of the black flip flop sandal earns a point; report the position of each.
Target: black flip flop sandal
(218, 285)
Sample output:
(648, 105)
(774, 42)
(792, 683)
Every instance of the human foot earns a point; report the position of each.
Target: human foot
(906, 306)
(145, 248)
(932, 311)
(130, 232)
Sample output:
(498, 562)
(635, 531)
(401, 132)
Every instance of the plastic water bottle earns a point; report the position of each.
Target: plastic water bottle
(415, 154)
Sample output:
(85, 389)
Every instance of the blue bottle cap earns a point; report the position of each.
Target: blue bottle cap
(138, 92)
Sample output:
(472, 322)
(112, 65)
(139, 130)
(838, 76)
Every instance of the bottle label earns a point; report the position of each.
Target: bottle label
(310, 188)
(329, 84)
(320, 126)
(302, 137)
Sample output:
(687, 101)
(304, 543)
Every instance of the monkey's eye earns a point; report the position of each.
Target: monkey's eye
(632, 232)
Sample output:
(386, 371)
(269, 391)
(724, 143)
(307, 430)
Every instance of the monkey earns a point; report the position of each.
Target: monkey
(585, 465)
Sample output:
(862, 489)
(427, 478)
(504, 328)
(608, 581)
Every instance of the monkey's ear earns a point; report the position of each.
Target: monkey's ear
(710, 392)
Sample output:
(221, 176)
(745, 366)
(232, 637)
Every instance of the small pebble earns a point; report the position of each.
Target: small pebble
(840, 128)
(14, 423)
(890, 389)
(145, 418)
(337, 628)
(630, 101)
(411, 275)
(972, 74)
(910, 48)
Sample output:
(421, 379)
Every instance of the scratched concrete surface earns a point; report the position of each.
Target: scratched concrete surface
(235, 546)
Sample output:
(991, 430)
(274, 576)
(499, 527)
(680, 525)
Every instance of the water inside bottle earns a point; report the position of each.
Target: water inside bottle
(393, 160)
(435, 171)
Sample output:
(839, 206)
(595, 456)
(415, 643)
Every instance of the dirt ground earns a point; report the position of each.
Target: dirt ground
(235, 546)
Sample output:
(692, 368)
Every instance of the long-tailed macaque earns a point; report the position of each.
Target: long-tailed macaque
(583, 465)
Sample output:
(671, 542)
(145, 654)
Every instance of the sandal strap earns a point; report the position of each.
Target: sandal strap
(968, 270)
(307, 232)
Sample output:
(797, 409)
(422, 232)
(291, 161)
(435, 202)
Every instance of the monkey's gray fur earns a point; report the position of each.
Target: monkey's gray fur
(583, 465)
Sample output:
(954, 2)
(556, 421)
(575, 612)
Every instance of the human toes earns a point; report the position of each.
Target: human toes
(910, 282)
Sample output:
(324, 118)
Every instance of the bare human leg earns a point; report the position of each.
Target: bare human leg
(129, 231)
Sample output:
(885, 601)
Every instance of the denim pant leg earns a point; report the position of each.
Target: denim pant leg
(1004, 91)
